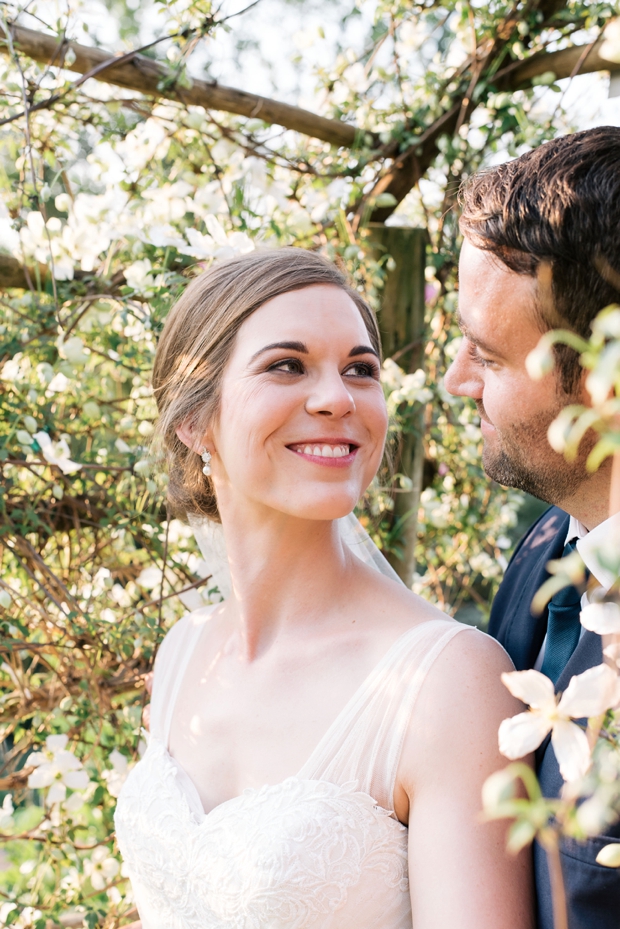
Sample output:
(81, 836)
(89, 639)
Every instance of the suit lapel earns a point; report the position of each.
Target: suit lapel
(512, 622)
(588, 654)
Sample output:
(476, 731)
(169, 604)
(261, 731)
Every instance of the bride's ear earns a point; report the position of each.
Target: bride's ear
(186, 432)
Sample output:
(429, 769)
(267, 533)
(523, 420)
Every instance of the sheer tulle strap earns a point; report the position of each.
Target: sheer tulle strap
(170, 666)
(365, 742)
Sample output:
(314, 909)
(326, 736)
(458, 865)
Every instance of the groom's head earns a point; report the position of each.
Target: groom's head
(541, 251)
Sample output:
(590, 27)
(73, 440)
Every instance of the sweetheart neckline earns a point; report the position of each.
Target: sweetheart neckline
(342, 788)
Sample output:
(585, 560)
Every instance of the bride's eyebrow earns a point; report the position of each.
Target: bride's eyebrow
(363, 350)
(303, 349)
(291, 346)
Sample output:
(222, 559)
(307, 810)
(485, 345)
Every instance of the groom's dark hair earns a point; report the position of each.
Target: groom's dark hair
(554, 213)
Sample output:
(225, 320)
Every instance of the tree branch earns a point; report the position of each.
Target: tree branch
(148, 77)
(24, 277)
(562, 63)
(415, 161)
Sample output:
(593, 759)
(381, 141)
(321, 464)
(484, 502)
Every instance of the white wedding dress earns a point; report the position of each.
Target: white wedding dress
(321, 850)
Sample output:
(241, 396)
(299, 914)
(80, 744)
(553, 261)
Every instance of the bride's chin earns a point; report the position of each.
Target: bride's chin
(324, 508)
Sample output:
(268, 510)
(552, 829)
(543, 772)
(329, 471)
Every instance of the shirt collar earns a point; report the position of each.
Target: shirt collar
(603, 536)
(576, 530)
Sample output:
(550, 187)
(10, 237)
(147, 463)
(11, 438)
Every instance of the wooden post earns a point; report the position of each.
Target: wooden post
(402, 325)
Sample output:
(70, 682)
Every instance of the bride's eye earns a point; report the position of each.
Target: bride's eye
(363, 369)
(287, 366)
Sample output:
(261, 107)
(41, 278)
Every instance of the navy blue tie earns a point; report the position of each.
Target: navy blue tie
(563, 626)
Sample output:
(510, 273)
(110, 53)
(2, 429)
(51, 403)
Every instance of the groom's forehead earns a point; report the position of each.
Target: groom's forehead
(492, 299)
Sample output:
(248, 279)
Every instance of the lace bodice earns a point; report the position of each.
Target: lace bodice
(321, 850)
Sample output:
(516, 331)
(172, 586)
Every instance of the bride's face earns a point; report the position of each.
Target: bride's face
(302, 421)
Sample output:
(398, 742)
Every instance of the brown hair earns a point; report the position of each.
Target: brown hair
(559, 206)
(197, 341)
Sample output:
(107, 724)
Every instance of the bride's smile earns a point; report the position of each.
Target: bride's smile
(325, 452)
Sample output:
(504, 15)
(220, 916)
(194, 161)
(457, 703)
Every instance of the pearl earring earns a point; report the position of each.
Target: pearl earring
(206, 457)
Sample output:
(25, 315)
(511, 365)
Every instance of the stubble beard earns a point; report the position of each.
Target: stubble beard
(522, 458)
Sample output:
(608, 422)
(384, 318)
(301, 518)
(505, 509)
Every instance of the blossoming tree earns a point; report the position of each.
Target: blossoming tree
(123, 173)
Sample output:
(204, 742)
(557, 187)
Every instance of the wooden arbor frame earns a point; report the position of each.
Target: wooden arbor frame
(402, 314)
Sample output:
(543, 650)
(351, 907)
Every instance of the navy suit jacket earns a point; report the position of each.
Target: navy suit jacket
(593, 891)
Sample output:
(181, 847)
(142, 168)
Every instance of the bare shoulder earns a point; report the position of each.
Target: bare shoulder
(473, 655)
(466, 676)
(460, 706)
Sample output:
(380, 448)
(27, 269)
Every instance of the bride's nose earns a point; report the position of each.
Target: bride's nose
(330, 397)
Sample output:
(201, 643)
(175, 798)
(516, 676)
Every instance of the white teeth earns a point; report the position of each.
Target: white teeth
(323, 451)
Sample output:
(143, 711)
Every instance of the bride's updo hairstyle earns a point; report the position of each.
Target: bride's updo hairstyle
(197, 340)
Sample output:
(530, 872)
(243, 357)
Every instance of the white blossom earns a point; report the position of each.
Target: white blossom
(540, 360)
(56, 768)
(58, 384)
(602, 618)
(26, 918)
(57, 453)
(149, 577)
(559, 430)
(11, 370)
(9, 236)
(138, 274)
(613, 653)
(73, 351)
(404, 388)
(587, 694)
(600, 381)
(200, 246)
(610, 49)
(609, 855)
(101, 868)
(117, 774)
(6, 812)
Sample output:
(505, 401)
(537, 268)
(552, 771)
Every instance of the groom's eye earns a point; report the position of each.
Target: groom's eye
(477, 358)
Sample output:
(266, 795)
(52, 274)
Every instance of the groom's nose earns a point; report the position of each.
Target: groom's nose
(463, 378)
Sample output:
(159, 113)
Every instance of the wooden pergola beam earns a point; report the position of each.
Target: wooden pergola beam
(139, 73)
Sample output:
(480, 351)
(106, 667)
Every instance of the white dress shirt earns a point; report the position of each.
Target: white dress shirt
(589, 543)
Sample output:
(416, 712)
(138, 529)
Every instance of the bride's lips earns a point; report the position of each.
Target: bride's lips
(331, 453)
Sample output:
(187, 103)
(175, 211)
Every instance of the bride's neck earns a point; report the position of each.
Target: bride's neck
(285, 574)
